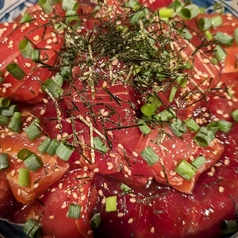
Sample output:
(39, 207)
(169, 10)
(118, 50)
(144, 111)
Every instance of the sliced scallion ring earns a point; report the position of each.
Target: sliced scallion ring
(33, 162)
(204, 24)
(204, 137)
(149, 156)
(24, 177)
(95, 220)
(111, 203)
(166, 12)
(216, 21)
(218, 8)
(52, 147)
(26, 48)
(52, 87)
(63, 151)
(32, 228)
(24, 154)
(74, 211)
(44, 145)
(144, 128)
(99, 145)
(16, 71)
(3, 120)
(220, 53)
(4, 102)
(15, 122)
(223, 38)
(234, 114)
(199, 161)
(190, 11)
(4, 163)
(177, 127)
(26, 18)
(191, 125)
(185, 170)
(46, 6)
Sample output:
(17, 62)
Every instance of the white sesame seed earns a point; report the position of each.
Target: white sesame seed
(130, 220)
(221, 189)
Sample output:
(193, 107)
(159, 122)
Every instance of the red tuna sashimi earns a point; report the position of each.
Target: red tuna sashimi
(167, 213)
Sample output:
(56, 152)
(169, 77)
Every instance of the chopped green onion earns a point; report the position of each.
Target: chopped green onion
(208, 35)
(52, 147)
(188, 65)
(202, 9)
(24, 177)
(218, 8)
(204, 24)
(9, 111)
(165, 115)
(74, 211)
(33, 162)
(63, 151)
(70, 5)
(177, 127)
(59, 79)
(15, 122)
(72, 19)
(204, 137)
(16, 71)
(4, 163)
(224, 126)
(234, 114)
(149, 156)
(185, 170)
(190, 11)
(223, 38)
(111, 203)
(191, 125)
(219, 53)
(99, 145)
(182, 81)
(236, 35)
(95, 220)
(26, 18)
(1, 80)
(144, 128)
(186, 34)
(214, 61)
(32, 228)
(139, 15)
(149, 108)
(35, 55)
(133, 5)
(50, 86)
(65, 72)
(176, 5)
(24, 153)
(216, 21)
(229, 227)
(166, 12)
(46, 6)
(125, 188)
(199, 161)
(44, 145)
(172, 93)
(3, 120)
(33, 131)
(26, 48)
(4, 102)
(213, 126)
